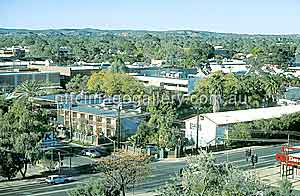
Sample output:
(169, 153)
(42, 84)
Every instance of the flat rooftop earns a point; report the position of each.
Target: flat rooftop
(231, 117)
(108, 112)
(72, 67)
(27, 72)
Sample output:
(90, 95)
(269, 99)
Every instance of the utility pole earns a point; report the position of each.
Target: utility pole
(119, 127)
(59, 161)
(197, 134)
(70, 121)
(54, 130)
(71, 154)
(113, 141)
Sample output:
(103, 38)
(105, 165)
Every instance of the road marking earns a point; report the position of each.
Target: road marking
(256, 164)
(262, 157)
(51, 192)
(41, 188)
(11, 185)
(160, 181)
(244, 148)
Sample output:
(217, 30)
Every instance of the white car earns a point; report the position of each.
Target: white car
(91, 153)
(58, 179)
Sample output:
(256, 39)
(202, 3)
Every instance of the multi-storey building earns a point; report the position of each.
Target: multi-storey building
(9, 80)
(12, 52)
(97, 122)
(66, 72)
(173, 79)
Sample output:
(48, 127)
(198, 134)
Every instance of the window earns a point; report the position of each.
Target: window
(7, 81)
(108, 132)
(170, 84)
(183, 85)
(108, 121)
(193, 126)
(99, 119)
(91, 117)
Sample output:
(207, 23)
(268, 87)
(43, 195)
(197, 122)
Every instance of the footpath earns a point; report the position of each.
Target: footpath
(271, 176)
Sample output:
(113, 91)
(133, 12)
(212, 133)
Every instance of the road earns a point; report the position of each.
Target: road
(162, 172)
(266, 156)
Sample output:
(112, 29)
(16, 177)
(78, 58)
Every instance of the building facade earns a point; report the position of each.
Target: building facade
(9, 80)
(213, 127)
(97, 122)
(172, 79)
(12, 52)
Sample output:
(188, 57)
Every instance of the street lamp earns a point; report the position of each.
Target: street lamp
(197, 128)
(119, 126)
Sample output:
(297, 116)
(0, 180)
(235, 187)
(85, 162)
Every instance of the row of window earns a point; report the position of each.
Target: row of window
(173, 84)
(99, 119)
(12, 80)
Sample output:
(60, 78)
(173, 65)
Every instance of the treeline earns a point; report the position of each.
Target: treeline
(185, 48)
(223, 92)
(276, 128)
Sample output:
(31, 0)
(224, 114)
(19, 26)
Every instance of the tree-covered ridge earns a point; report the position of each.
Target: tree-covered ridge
(184, 48)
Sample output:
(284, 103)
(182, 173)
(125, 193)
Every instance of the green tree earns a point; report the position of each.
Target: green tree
(77, 84)
(21, 131)
(216, 89)
(272, 87)
(8, 164)
(203, 176)
(28, 90)
(112, 83)
(118, 66)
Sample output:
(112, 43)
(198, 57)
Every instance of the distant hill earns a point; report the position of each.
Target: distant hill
(96, 32)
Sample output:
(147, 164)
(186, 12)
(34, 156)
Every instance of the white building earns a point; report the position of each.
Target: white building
(185, 86)
(215, 125)
(157, 63)
(230, 66)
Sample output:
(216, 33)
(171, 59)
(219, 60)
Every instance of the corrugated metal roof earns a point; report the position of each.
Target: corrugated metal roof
(231, 117)
(98, 111)
(95, 111)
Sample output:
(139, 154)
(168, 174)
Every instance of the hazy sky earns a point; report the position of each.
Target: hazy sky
(237, 16)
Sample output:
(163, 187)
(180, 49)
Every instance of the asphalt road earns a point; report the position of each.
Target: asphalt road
(162, 172)
(265, 154)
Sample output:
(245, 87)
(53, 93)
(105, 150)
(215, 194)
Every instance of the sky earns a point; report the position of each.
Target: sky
(230, 16)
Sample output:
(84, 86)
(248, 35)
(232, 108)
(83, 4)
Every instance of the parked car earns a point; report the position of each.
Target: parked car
(152, 149)
(91, 152)
(58, 179)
